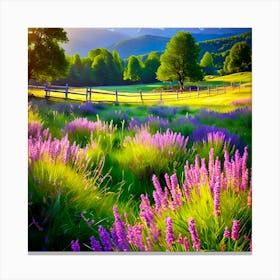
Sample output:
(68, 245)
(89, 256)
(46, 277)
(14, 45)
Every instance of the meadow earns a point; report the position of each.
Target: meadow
(149, 177)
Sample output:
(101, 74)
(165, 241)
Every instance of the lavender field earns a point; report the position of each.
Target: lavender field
(135, 178)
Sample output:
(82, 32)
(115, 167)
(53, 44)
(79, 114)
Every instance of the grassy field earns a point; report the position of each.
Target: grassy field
(221, 98)
(95, 169)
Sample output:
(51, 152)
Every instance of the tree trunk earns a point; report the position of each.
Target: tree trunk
(181, 83)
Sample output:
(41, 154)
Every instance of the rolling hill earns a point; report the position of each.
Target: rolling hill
(140, 45)
(81, 40)
(219, 48)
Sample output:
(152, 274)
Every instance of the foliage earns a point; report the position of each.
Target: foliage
(195, 216)
(46, 59)
(207, 64)
(220, 48)
(134, 68)
(239, 58)
(110, 191)
(151, 65)
(179, 61)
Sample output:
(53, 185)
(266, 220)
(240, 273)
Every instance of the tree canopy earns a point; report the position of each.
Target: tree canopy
(179, 60)
(46, 59)
(151, 65)
(207, 64)
(134, 68)
(239, 58)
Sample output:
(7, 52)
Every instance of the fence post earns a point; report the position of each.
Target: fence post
(197, 89)
(90, 94)
(86, 94)
(47, 90)
(160, 96)
(141, 96)
(177, 95)
(117, 100)
(66, 91)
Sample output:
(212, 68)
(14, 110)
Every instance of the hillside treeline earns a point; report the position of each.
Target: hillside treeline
(102, 67)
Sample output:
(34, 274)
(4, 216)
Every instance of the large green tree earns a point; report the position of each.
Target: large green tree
(151, 65)
(207, 64)
(46, 58)
(179, 60)
(106, 67)
(239, 58)
(134, 69)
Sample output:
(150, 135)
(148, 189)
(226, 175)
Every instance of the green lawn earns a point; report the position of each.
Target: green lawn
(219, 99)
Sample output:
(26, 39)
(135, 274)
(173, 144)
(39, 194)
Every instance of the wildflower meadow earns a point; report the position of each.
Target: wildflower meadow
(131, 178)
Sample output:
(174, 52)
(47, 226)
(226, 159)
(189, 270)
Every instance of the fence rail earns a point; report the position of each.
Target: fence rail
(92, 95)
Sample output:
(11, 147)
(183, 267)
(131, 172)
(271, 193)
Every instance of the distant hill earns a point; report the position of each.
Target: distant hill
(140, 45)
(219, 48)
(81, 40)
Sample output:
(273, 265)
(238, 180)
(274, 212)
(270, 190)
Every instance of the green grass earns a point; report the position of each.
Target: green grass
(118, 173)
(243, 77)
(219, 99)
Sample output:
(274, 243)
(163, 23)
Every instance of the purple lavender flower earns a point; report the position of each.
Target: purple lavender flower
(75, 246)
(226, 233)
(180, 239)
(174, 181)
(211, 162)
(206, 114)
(55, 150)
(84, 124)
(169, 231)
(157, 186)
(206, 134)
(135, 123)
(120, 230)
(34, 129)
(157, 200)
(163, 111)
(217, 194)
(149, 244)
(95, 245)
(105, 238)
(134, 236)
(186, 243)
(88, 108)
(154, 231)
(163, 142)
(244, 180)
(167, 180)
(194, 235)
(156, 121)
(235, 230)
(175, 193)
(146, 211)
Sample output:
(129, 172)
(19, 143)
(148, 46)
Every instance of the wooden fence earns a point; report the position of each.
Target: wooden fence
(158, 96)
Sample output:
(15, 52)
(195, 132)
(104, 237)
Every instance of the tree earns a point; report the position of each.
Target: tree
(118, 67)
(133, 72)
(179, 60)
(46, 59)
(151, 65)
(239, 58)
(106, 67)
(207, 64)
